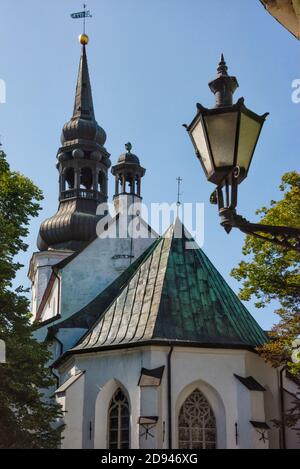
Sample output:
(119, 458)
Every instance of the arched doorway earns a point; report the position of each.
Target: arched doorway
(196, 423)
(118, 421)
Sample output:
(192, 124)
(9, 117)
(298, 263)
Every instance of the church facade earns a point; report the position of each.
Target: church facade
(150, 346)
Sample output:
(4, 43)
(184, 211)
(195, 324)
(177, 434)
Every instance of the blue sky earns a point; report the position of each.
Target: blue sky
(150, 62)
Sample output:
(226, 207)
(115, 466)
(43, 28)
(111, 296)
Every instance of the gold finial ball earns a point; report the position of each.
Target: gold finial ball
(84, 39)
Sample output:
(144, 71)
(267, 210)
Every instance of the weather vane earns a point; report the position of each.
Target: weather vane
(82, 14)
(179, 181)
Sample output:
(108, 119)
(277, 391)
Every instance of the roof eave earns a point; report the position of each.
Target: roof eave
(153, 342)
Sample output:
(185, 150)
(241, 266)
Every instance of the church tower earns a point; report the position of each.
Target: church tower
(83, 163)
(128, 175)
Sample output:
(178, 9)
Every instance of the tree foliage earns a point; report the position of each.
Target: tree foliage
(271, 272)
(26, 420)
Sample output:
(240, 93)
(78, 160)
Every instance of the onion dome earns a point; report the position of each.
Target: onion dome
(71, 227)
(128, 157)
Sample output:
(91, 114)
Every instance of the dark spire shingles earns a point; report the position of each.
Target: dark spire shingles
(83, 105)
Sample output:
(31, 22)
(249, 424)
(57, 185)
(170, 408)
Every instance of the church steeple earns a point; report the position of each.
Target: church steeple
(83, 105)
(83, 162)
(83, 125)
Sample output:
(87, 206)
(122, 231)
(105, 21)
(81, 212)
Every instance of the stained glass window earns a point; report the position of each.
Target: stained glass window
(196, 423)
(118, 418)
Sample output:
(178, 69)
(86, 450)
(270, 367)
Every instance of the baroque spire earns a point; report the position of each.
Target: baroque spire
(83, 162)
(83, 105)
(83, 127)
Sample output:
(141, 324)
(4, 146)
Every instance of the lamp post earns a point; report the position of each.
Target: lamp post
(225, 139)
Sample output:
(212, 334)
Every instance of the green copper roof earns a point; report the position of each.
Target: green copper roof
(176, 295)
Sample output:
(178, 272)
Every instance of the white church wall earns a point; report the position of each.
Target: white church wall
(72, 403)
(103, 399)
(95, 268)
(50, 310)
(216, 368)
(267, 377)
(52, 305)
(122, 368)
(210, 370)
(243, 430)
(83, 278)
(150, 398)
(104, 373)
(70, 336)
(257, 406)
(251, 407)
(40, 270)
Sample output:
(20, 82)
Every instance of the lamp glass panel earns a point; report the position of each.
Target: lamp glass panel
(249, 132)
(200, 142)
(221, 129)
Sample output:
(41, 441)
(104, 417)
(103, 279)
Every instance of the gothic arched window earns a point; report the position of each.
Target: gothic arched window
(118, 421)
(196, 423)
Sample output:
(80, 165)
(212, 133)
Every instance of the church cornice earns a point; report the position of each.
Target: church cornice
(152, 343)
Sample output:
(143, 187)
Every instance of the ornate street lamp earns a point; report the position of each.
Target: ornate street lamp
(225, 139)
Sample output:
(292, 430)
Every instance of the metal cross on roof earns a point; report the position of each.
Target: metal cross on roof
(179, 181)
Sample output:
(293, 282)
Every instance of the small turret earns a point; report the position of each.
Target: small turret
(128, 175)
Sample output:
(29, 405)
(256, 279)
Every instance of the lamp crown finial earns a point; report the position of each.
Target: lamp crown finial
(223, 86)
(222, 67)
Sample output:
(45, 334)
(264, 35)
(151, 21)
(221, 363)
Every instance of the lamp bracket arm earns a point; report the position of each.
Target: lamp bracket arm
(284, 236)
